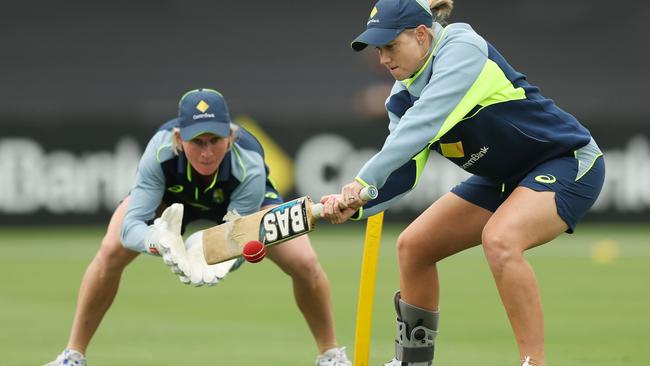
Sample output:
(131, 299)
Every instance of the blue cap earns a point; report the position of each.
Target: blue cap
(389, 18)
(203, 111)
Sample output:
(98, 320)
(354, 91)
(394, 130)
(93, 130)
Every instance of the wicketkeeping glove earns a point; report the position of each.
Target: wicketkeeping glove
(202, 273)
(164, 239)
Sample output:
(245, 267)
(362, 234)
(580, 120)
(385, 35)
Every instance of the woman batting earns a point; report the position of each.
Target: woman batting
(536, 169)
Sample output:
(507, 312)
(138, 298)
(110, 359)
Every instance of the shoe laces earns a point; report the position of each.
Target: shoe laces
(71, 357)
(333, 357)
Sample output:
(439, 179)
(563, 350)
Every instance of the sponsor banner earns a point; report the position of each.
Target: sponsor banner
(73, 174)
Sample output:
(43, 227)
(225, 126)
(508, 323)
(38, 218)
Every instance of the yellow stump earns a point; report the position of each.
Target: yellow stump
(367, 289)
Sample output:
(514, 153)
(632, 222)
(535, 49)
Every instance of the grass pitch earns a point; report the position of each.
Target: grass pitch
(594, 286)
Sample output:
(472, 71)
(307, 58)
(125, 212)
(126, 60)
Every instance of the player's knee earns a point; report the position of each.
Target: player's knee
(409, 248)
(307, 269)
(112, 257)
(499, 249)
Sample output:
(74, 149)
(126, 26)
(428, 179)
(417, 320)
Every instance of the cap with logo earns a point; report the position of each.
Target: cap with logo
(389, 18)
(203, 111)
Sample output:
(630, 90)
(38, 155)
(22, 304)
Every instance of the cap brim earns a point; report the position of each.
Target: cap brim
(221, 129)
(375, 37)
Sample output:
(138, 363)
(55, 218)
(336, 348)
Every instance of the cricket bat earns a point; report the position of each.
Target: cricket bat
(271, 227)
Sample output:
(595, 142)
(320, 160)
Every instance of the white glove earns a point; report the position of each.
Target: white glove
(202, 273)
(164, 238)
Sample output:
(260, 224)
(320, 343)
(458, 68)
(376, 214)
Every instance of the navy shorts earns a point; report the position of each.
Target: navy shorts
(574, 194)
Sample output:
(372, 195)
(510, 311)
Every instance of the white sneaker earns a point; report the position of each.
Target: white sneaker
(527, 362)
(68, 357)
(333, 357)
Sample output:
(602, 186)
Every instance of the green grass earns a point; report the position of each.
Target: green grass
(596, 314)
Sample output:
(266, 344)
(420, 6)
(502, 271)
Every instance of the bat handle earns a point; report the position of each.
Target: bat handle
(367, 193)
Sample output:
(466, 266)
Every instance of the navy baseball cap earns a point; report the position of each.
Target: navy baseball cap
(203, 111)
(389, 18)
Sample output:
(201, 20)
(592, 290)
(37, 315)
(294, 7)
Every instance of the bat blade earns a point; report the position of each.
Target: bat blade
(271, 226)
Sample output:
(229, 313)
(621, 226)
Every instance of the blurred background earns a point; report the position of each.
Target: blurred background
(85, 84)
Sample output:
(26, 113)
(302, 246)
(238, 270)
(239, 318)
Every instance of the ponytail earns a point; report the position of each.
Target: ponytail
(441, 10)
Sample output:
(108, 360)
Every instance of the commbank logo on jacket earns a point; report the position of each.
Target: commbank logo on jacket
(452, 150)
(476, 157)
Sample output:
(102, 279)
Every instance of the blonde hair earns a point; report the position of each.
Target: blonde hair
(441, 10)
(177, 147)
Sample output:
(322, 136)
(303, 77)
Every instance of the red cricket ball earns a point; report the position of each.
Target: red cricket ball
(254, 251)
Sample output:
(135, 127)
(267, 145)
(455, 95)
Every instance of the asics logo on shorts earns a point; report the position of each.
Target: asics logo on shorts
(545, 178)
